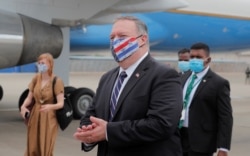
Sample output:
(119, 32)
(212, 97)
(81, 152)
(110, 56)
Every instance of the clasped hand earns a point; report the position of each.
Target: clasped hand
(92, 133)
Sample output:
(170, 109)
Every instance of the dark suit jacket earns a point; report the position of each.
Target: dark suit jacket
(210, 114)
(182, 73)
(147, 113)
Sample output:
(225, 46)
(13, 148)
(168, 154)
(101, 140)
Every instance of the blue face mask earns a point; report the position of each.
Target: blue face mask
(196, 65)
(121, 48)
(42, 68)
(183, 66)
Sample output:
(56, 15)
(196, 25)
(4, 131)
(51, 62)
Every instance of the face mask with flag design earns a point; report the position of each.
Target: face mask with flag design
(121, 48)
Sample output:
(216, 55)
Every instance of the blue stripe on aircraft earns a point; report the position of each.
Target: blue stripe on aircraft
(173, 31)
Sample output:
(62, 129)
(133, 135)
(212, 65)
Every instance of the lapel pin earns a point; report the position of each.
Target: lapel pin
(137, 75)
(204, 80)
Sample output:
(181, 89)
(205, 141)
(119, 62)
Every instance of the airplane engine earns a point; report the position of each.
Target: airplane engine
(23, 39)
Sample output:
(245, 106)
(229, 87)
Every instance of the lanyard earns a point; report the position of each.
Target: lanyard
(194, 85)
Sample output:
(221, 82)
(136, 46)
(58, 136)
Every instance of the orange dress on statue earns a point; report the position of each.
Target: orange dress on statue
(42, 128)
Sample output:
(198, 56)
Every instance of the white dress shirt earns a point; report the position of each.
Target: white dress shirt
(129, 71)
(196, 84)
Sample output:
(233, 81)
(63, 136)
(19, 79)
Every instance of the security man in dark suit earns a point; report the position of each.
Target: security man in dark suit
(207, 112)
(137, 113)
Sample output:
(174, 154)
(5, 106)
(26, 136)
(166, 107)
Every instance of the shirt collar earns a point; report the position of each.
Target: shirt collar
(202, 73)
(132, 68)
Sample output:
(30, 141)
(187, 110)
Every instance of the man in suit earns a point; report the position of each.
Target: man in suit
(145, 119)
(183, 60)
(207, 112)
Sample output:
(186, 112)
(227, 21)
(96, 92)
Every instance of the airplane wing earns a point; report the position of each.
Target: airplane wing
(63, 12)
(237, 9)
(77, 12)
(134, 6)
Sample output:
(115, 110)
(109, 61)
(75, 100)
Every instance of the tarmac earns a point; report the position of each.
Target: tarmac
(13, 130)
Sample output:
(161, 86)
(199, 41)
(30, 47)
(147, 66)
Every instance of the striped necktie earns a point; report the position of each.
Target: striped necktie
(115, 93)
(187, 96)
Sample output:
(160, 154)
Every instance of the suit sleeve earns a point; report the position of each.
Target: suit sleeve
(86, 121)
(225, 118)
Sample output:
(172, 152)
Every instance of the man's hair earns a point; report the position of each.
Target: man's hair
(141, 26)
(183, 51)
(201, 45)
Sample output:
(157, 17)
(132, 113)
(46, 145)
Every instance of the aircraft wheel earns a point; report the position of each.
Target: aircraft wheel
(1, 92)
(22, 98)
(69, 89)
(81, 99)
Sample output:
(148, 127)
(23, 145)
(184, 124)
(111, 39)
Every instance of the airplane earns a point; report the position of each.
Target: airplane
(171, 31)
(29, 28)
(173, 24)
(224, 29)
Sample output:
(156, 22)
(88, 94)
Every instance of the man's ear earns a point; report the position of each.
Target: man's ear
(209, 60)
(144, 39)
